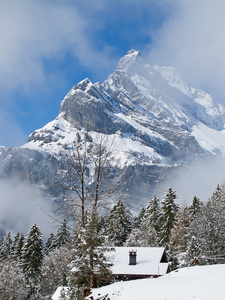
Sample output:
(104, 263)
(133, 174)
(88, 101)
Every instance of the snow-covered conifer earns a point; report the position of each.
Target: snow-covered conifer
(195, 207)
(138, 219)
(6, 247)
(194, 252)
(118, 224)
(62, 236)
(214, 213)
(168, 212)
(172, 256)
(91, 268)
(18, 245)
(33, 254)
(147, 235)
(150, 223)
(49, 244)
(209, 228)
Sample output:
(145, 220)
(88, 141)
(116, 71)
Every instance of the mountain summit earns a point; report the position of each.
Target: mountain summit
(151, 111)
(157, 120)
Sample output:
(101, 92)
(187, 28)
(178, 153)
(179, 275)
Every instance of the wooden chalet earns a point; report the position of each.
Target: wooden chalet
(138, 262)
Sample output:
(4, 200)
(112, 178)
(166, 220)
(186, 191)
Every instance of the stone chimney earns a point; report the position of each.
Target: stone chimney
(132, 257)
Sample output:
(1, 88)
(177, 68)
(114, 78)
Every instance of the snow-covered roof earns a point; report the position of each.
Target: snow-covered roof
(58, 293)
(148, 261)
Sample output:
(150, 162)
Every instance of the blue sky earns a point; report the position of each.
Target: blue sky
(47, 46)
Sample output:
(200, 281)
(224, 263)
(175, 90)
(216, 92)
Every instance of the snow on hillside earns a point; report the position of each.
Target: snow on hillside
(59, 135)
(209, 139)
(199, 283)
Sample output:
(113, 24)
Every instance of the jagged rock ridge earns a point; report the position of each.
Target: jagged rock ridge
(158, 122)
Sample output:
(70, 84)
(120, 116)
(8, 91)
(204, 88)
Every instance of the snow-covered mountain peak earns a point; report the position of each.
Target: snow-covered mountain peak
(158, 122)
(132, 59)
(83, 84)
(133, 52)
(153, 103)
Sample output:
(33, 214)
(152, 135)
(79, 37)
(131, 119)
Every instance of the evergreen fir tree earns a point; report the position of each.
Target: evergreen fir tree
(91, 268)
(49, 244)
(214, 212)
(172, 256)
(62, 236)
(135, 238)
(33, 254)
(118, 224)
(194, 252)
(195, 207)
(147, 235)
(6, 248)
(1, 242)
(218, 195)
(15, 241)
(138, 219)
(208, 227)
(152, 213)
(150, 223)
(168, 214)
(18, 246)
(102, 225)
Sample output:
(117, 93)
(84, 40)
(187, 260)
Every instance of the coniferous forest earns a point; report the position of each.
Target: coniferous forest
(192, 234)
(75, 256)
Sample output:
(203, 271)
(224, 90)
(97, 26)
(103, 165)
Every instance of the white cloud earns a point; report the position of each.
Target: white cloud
(33, 31)
(192, 39)
(20, 208)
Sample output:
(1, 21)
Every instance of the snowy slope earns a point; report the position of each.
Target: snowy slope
(59, 135)
(199, 283)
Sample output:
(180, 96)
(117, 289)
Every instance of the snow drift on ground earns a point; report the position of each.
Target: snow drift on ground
(199, 283)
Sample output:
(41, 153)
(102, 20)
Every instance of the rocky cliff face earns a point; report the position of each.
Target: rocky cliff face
(158, 122)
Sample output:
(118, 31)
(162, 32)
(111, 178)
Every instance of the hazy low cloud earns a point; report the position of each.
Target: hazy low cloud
(200, 179)
(192, 40)
(21, 207)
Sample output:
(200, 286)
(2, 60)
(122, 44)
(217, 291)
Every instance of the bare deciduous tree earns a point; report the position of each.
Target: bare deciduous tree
(86, 177)
(89, 180)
